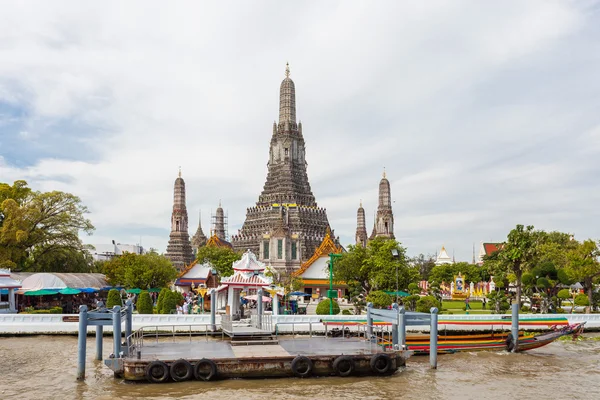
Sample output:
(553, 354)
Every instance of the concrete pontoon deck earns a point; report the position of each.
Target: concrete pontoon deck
(216, 349)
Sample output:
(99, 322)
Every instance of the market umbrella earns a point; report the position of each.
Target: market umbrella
(298, 294)
(88, 290)
(398, 293)
(254, 297)
(134, 291)
(41, 292)
(154, 290)
(69, 291)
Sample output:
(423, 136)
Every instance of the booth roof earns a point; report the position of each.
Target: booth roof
(54, 280)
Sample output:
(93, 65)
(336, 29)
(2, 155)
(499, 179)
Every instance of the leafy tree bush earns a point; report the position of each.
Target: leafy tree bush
(221, 258)
(525, 309)
(114, 299)
(170, 302)
(144, 303)
(346, 312)
(140, 270)
(582, 300)
(498, 302)
(425, 303)
(161, 298)
(410, 302)
(323, 307)
(379, 299)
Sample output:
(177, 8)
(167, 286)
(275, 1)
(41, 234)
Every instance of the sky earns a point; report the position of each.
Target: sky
(484, 114)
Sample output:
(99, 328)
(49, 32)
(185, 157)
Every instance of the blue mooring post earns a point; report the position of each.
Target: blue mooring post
(369, 321)
(395, 327)
(402, 327)
(259, 307)
(116, 330)
(81, 341)
(128, 324)
(433, 338)
(99, 333)
(213, 310)
(515, 326)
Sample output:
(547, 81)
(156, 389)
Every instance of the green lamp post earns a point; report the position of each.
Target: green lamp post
(331, 293)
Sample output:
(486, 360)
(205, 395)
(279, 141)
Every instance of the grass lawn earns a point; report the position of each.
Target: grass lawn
(457, 305)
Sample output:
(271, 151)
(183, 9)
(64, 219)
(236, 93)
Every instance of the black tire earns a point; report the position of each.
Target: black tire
(157, 372)
(381, 363)
(181, 370)
(510, 342)
(302, 366)
(200, 370)
(343, 365)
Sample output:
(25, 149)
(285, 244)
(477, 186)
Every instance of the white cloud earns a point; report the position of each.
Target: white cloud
(477, 111)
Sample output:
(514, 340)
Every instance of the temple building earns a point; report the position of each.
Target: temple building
(285, 226)
(384, 219)
(315, 271)
(361, 227)
(443, 257)
(179, 249)
(487, 249)
(199, 239)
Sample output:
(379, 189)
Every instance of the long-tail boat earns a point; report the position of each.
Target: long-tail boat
(494, 341)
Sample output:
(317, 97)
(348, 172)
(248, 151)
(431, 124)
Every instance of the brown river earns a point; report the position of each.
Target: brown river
(44, 367)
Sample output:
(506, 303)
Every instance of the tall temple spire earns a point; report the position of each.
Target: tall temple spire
(287, 102)
(361, 228)
(285, 226)
(199, 239)
(219, 223)
(384, 219)
(179, 250)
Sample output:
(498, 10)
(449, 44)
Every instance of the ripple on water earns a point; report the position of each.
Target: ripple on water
(43, 367)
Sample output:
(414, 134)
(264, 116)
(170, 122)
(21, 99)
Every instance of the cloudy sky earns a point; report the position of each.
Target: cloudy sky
(484, 114)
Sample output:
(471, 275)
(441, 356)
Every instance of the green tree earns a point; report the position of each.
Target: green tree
(161, 298)
(143, 271)
(498, 301)
(144, 303)
(39, 231)
(323, 307)
(518, 254)
(380, 299)
(424, 264)
(583, 265)
(425, 303)
(170, 302)
(221, 258)
(375, 267)
(114, 299)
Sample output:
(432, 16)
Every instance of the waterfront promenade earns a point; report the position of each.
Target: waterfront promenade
(32, 324)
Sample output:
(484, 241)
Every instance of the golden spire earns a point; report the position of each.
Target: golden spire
(180, 171)
(360, 203)
(287, 70)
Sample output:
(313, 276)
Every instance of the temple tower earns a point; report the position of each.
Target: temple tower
(285, 226)
(179, 249)
(384, 219)
(199, 239)
(361, 227)
(219, 222)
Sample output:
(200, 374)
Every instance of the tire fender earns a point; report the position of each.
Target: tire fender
(302, 366)
(212, 374)
(157, 372)
(381, 363)
(343, 365)
(180, 366)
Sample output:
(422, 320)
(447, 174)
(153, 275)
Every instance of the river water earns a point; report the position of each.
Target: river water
(44, 367)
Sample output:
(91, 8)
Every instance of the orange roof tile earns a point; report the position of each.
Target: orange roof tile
(327, 246)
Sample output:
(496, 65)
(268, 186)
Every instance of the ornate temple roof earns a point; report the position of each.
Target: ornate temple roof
(214, 240)
(248, 262)
(327, 246)
(443, 257)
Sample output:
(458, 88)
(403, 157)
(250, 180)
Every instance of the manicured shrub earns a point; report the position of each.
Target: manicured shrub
(379, 299)
(323, 307)
(525, 309)
(582, 300)
(144, 303)
(161, 298)
(346, 312)
(425, 303)
(170, 302)
(114, 299)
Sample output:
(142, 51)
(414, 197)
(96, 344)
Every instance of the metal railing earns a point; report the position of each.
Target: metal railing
(226, 323)
(135, 341)
(263, 322)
